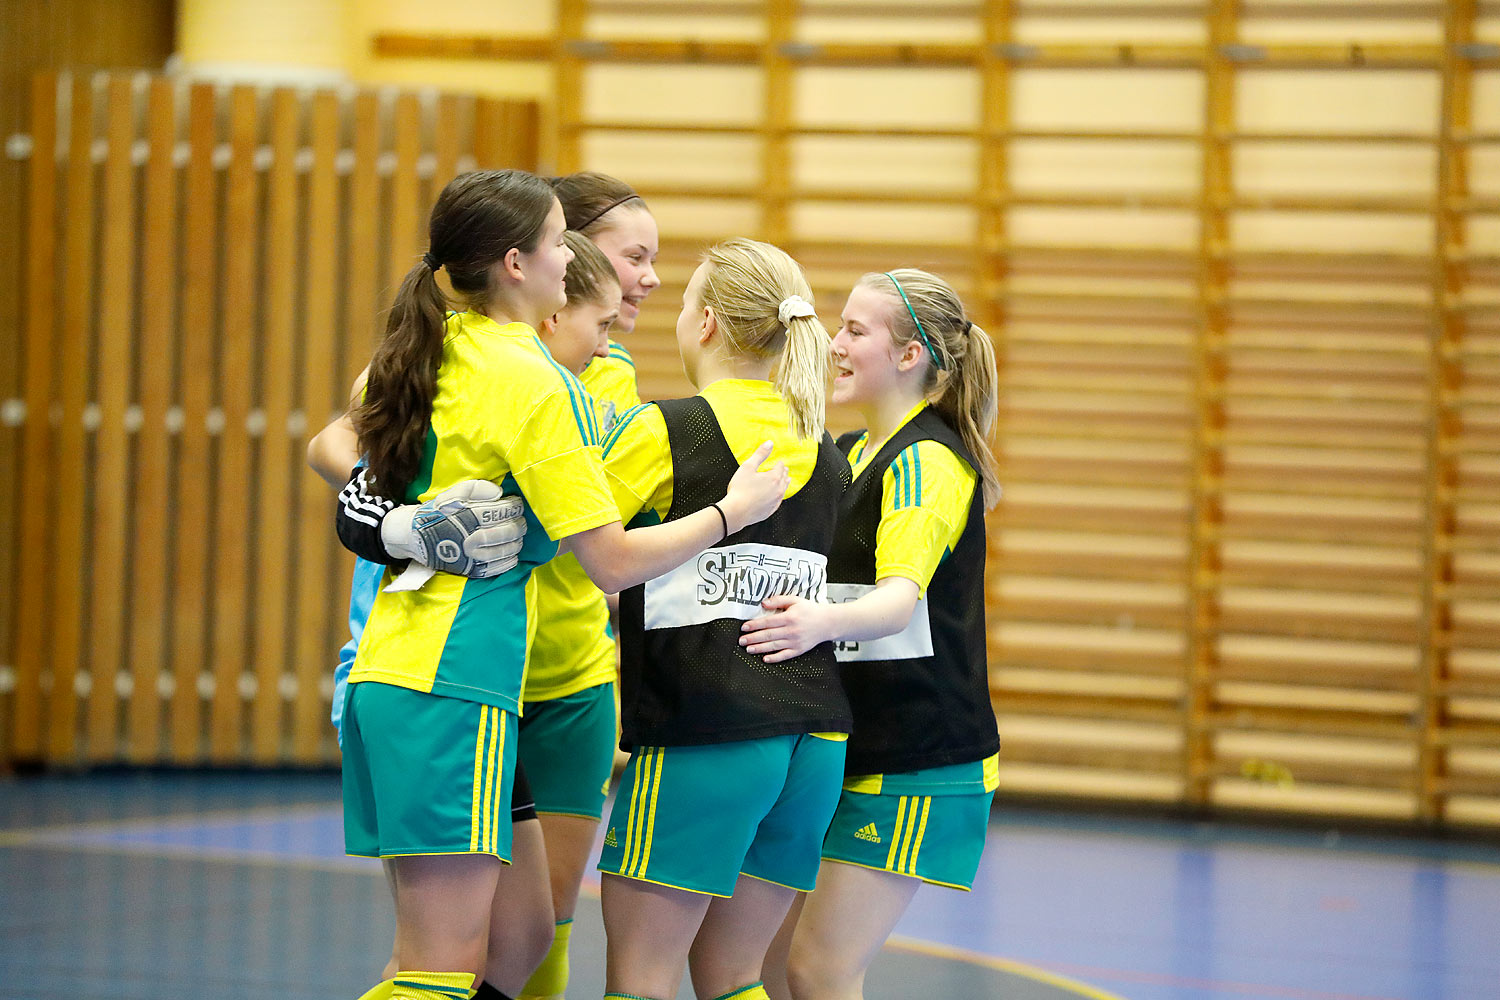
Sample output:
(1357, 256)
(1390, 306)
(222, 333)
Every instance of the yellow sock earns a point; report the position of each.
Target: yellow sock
(755, 991)
(433, 986)
(551, 977)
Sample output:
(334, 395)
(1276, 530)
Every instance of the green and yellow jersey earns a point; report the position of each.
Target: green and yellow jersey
(611, 381)
(924, 506)
(506, 412)
(925, 497)
(638, 454)
(573, 650)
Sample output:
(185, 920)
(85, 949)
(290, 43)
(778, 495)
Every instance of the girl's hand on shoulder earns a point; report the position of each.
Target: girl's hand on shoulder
(794, 626)
(754, 493)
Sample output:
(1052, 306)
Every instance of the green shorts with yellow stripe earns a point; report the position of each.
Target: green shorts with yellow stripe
(698, 817)
(567, 749)
(936, 838)
(425, 774)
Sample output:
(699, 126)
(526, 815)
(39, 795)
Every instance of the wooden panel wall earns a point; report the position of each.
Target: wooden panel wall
(205, 274)
(35, 35)
(1239, 259)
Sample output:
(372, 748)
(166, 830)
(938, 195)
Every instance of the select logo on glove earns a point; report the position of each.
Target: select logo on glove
(469, 529)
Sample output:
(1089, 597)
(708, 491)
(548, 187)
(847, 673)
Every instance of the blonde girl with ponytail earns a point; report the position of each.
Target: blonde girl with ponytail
(906, 585)
(735, 765)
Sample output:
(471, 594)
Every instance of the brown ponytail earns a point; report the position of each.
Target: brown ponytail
(961, 377)
(479, 217)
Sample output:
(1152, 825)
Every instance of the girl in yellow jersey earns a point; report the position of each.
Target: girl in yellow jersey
(429, 727)
(569, 728)
(735, 767)
(526, 938)
(906, 578)
(616, 219)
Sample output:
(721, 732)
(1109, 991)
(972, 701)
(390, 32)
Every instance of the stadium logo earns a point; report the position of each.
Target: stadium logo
(750, 577)
(731, 582)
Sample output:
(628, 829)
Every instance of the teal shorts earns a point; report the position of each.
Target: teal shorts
(936, 838)
(698, 817)
(425, 774)
(567, 746)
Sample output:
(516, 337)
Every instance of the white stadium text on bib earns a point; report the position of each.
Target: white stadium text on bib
(730, 582)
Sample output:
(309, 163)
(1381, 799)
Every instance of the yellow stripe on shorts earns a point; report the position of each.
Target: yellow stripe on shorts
(916, 847)
(642, 823)
(632, 827)
(890, 858)
(911, 828)
(492, 780)
(651, 813)
(475, 815)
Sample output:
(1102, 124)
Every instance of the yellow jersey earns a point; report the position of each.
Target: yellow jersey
(924, 506)
(506, 412)
(638, 453)
(573, 649)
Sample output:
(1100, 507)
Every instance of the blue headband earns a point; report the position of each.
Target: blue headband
(902, 292)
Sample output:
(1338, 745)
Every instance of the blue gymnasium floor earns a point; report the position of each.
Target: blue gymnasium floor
(132, 885)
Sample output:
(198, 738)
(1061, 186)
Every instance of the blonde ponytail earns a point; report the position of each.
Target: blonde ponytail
(962, 380)
(746, 285)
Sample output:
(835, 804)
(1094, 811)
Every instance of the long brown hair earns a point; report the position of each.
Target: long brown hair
(961, 376)
(479, 217)
(745, 285)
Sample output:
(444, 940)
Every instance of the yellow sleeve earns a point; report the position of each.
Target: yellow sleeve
(554, 456)
(611, 381)
(924, 507)
(638, 463)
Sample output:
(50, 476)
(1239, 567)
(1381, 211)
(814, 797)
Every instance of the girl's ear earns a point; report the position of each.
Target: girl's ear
(549, 325)
(511, 264)
(907, 359)
(710, 325)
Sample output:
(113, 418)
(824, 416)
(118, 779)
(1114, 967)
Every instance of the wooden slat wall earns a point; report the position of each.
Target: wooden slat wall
(206, 272)
(42, 35)
(1249, 555)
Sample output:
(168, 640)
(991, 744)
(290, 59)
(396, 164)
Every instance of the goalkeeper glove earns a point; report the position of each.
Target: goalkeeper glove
(469, 529)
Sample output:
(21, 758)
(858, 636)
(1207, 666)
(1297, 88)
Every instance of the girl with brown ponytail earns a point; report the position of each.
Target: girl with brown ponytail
(568, 729)
(906, 582)
(429, 726)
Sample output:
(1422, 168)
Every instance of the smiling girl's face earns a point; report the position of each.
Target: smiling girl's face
(630, 241)
(865, 359)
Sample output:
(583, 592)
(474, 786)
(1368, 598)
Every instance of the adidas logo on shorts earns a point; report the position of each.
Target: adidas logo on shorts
(866, 832)
(611, 839)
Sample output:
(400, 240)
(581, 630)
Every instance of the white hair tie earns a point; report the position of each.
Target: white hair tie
(794, 307)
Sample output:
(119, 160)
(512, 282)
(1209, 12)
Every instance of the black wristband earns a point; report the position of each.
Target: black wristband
(359, 516)
(723, 521)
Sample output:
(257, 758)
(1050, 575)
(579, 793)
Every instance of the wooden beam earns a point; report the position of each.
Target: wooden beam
(1444, 378)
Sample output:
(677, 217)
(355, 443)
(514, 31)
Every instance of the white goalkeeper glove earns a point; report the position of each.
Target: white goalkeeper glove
(469, 529)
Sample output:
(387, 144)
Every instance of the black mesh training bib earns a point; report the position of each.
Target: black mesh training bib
(928, 705)
(684, 678)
